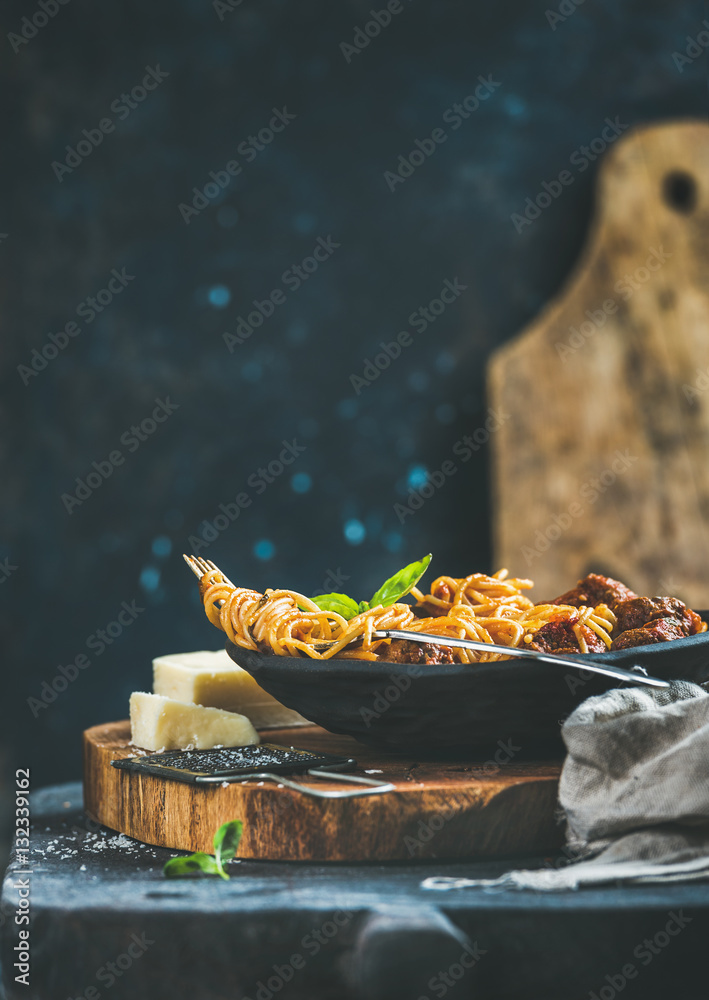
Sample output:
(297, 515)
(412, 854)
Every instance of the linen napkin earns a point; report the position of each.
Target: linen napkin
(634, 792)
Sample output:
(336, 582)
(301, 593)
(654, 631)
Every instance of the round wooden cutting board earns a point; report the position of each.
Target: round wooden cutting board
(451, 809)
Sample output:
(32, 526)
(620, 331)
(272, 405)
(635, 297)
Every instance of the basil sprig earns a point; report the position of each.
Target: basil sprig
(226, 841)
(391, 591)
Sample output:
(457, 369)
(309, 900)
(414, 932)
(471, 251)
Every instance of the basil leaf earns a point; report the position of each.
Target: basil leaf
(199, 862)
(226, 841)
(339, 603)
(400, 584)
(363, 606)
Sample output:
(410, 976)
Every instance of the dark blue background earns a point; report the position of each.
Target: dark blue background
(321, 176)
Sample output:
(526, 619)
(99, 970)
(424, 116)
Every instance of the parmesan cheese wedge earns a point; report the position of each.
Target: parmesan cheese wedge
(164, 724)
(214, 680)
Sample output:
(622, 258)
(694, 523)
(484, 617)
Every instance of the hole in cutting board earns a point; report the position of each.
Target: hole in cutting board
(679, 190)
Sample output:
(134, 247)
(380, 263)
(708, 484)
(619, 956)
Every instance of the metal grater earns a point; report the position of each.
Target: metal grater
(267, 762)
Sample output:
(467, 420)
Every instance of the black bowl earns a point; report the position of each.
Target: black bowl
(454, 706)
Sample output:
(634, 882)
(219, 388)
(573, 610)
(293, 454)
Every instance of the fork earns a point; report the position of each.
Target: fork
(200, 566)
(637, 675)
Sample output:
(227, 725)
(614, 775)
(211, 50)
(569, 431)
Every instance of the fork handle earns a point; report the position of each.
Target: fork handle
(609, 670)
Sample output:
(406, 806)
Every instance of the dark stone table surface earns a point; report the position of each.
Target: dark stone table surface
(106, 923)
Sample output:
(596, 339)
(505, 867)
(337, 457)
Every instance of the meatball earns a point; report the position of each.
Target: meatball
(406, 651)
(658, 630)
(559, 637)
(638, 611)
(594, 590)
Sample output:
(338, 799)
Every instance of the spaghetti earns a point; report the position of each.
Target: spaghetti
(490, 609)
(497, 597)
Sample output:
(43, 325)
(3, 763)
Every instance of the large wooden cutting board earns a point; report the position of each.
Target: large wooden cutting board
(603, 461)
(457, 809)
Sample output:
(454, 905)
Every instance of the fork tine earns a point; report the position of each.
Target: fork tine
(200, 567)
(190, 560)
(215, 567)
(211, 569)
